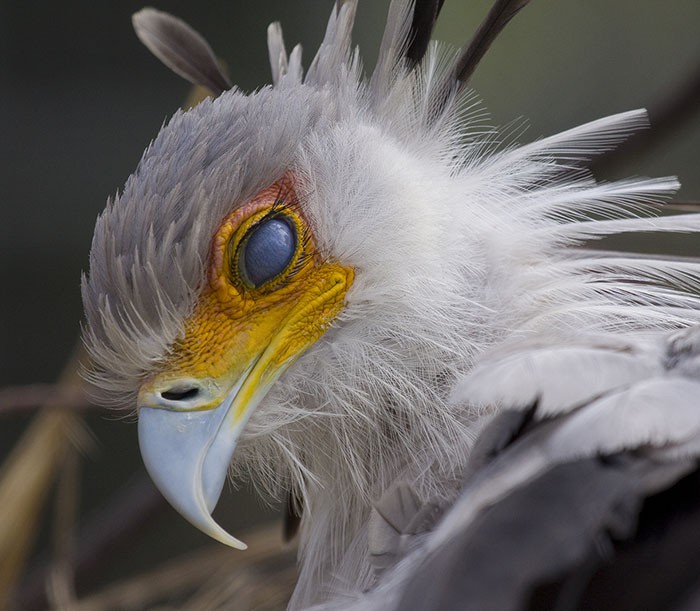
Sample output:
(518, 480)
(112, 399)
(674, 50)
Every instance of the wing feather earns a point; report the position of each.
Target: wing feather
(557, 379)
(590, 451)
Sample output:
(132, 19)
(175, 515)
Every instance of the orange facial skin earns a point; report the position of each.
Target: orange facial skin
(238, 329)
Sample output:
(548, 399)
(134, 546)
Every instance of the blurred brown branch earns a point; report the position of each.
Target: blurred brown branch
(214, 578)
(22, 399)
(27, 475)
(116, 525)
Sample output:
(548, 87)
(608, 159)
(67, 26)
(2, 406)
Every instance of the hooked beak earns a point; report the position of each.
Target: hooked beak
(187, 454)
(189, 426)
(187, 446)
(192, 414)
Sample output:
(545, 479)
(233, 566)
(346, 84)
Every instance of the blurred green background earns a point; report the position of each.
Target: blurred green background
(81, 99)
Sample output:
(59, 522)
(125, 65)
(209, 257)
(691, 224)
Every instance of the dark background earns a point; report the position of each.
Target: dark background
(80, 98)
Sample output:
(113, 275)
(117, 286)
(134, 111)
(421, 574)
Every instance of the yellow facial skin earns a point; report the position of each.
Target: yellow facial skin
(237, 342)
(236, 326)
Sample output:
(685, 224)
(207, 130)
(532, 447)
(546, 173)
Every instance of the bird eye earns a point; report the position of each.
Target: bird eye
(267, 250)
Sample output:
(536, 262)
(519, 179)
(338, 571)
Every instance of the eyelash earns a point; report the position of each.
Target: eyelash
(282, 206)
(290, 206)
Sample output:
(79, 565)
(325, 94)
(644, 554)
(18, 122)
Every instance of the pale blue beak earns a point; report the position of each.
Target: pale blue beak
(187, 454)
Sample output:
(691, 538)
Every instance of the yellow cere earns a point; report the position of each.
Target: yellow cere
(236, 327)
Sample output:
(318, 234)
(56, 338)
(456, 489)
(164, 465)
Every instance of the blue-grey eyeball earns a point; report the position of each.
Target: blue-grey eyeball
(267, 250)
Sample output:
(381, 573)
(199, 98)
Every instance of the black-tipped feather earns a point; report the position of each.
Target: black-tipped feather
(498, 17)
(425, 14)
(180, 48)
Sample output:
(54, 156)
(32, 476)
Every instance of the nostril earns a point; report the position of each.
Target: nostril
(183, 393)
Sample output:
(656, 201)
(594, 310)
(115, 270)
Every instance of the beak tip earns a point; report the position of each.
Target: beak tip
(235, 543)
(188, 462)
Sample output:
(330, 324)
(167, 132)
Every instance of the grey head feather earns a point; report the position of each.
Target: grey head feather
(333, 54)
(180, 48)
(393, 46)
(279, 62)
(151, 244)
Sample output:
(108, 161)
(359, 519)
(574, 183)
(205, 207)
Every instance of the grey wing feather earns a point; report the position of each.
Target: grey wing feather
(395, 519)
(180, 48)
(558, 378)
(535, 534)
(628, 406)
(562, 505)
(654, 568)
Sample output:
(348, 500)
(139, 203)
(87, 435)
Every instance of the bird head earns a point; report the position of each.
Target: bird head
(286, 276)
